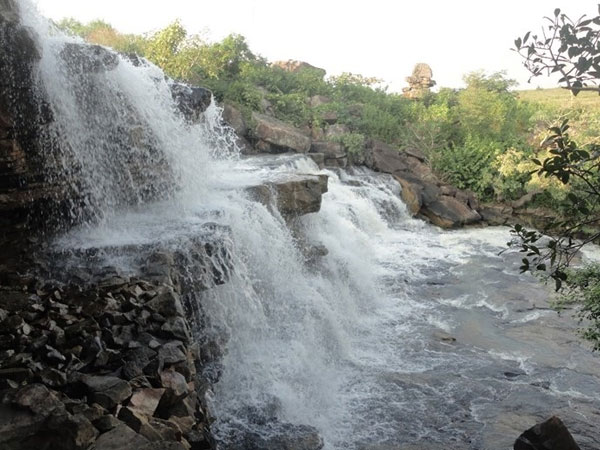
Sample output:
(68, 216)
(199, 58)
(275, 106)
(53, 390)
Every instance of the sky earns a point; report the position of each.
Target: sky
(375, 38)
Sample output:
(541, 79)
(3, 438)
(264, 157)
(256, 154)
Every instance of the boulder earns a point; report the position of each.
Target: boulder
(145, 401)
(551, 434)
(411, 196)
(191, 101)
(496, 214)
(235, 119)
(448, 212)
(293, 196)
(107, 391)
(281, 136)
(329, 149)
(120, 438)
(381, 157)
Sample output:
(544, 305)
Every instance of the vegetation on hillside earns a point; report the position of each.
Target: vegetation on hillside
(480, 138)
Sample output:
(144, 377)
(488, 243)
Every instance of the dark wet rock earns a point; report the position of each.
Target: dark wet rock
(136, 361)
(120, 438)
(192, 101)
(166, 303)
(172, 353)
(85, 58)
(106, 423)
(75, 432)
(107, 391)
(551, 434)
(17, 427)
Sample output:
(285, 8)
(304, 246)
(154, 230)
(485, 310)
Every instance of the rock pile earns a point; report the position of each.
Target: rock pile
(419, 82)
(112, 365)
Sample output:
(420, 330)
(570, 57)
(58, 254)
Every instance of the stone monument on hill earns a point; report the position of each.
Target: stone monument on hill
(419, 82)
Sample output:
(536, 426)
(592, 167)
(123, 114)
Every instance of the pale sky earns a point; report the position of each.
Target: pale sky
(371, 37)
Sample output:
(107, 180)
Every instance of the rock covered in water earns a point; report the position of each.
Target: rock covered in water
(192, 101)
(85, 58)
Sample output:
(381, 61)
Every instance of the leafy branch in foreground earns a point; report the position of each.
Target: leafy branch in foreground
(568, 47)
(580, 169)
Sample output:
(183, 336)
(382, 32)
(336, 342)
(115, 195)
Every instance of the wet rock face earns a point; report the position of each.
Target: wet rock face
(549, 435)
(192, 101)
(28, 189)
(293, 197)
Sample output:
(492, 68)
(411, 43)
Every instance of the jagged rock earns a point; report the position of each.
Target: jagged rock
(85, 58)
(145, 401)
(136, 361)
(280, 135)
(38, 399)
(176, 328)
(107, 391)
(171, 353)
(175, 384)
(191, 101)
(120, 438)
(549, 435)
(75, 432)
(106, 423)
(167, 304)
(17, 427)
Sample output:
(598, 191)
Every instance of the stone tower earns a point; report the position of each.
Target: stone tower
(419, 82)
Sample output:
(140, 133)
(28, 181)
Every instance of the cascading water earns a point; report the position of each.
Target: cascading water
(398, 334)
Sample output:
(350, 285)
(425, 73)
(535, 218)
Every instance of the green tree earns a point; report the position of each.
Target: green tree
(570, 48)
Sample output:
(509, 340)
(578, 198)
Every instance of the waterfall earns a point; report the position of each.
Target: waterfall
(374, 327)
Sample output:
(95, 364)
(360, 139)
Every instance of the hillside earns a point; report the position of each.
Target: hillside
(561, 98)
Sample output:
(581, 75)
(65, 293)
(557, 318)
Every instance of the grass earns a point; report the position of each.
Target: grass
(561, 98)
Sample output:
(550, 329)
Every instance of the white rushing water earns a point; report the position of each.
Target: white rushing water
(401, 334)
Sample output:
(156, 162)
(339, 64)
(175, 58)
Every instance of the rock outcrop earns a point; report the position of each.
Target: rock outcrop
(423, 193)
(419, 82)
(275, 136)
(293, 196)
